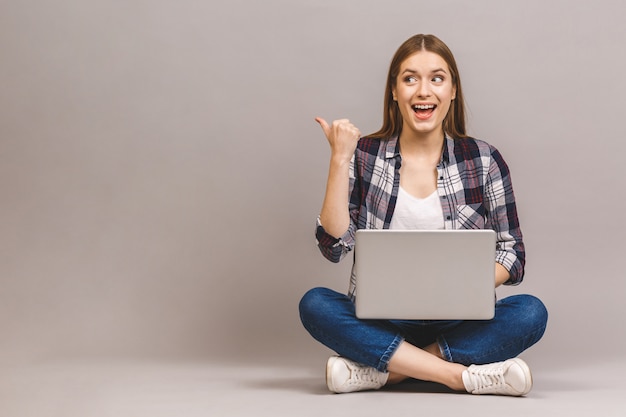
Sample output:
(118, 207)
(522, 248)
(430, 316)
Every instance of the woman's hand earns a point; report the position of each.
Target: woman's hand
(342, 137)
(502, 274)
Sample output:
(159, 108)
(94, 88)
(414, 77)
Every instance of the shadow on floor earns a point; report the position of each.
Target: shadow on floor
(317, 386)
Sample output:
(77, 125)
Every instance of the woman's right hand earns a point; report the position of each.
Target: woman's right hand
(342, 137)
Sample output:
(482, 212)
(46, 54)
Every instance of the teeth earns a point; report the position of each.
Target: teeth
(423, 106)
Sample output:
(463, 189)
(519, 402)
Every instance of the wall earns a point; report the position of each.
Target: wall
(160, 169)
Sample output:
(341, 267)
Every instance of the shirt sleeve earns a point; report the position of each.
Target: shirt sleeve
(335, 249)
(502, 218)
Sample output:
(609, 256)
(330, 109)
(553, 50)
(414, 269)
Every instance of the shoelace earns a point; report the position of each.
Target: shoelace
(487, 378)
(360, 375)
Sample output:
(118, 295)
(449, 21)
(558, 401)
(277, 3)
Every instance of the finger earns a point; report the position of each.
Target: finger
(346, 126)
(323, 124)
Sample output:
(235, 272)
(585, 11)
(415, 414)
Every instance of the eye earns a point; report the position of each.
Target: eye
(410, 79)
(438, 78)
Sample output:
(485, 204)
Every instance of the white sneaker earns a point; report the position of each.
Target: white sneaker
(344, 375)
(511, 377)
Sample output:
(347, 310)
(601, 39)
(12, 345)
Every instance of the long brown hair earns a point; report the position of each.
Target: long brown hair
(454, 122)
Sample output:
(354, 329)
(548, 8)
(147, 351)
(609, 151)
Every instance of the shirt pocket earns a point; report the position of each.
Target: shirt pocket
(470, 216)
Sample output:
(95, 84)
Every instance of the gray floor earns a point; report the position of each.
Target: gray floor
(190, 388)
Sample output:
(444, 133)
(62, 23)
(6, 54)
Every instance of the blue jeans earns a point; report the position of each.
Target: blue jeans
(329, 316)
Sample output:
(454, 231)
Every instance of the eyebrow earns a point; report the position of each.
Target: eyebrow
(412, 71)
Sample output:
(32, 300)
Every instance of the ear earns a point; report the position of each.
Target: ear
(453, 92)
(393, 94)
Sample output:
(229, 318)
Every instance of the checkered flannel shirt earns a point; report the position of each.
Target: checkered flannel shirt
(473, 183)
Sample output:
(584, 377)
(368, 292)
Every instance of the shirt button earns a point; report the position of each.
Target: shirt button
(447, 217)
(441, 177)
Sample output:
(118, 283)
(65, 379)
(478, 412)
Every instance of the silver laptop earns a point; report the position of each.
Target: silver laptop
(425, 274)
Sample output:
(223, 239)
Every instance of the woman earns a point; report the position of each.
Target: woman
(421, 171)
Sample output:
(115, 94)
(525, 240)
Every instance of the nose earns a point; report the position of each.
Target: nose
(423, 89)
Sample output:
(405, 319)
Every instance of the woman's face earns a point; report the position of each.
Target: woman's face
(424, 92)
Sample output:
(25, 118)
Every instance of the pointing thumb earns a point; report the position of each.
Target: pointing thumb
(324, 125)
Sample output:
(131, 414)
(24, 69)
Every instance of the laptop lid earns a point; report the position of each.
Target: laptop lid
(425, 274)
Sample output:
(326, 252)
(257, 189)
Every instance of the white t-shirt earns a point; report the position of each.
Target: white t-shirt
(412, 213)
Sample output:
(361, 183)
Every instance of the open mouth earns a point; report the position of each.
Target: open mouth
(423, 111)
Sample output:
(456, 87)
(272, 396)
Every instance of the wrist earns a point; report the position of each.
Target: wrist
(338, 160)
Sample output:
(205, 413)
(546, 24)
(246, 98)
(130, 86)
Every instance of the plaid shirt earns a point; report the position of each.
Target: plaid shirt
(473, 184)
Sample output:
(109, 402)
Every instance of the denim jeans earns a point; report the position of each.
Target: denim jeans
(329, 316)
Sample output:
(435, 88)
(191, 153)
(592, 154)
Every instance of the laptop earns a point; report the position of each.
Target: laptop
(425, 274)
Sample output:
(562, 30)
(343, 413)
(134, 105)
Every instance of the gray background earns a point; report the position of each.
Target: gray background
(160, 169)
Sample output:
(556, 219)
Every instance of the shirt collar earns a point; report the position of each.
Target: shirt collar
(448, 149)
(393, 148)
